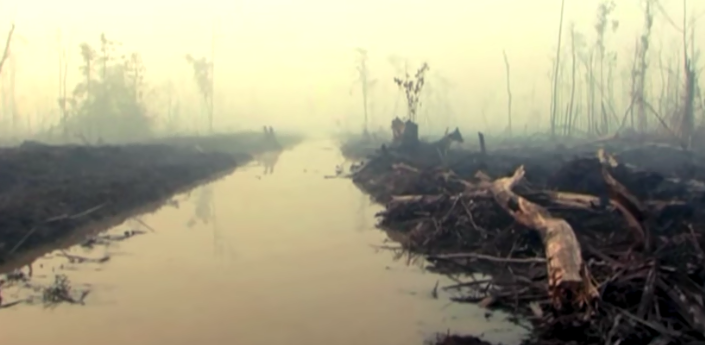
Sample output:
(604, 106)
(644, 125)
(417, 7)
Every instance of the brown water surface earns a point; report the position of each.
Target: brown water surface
(281, 258)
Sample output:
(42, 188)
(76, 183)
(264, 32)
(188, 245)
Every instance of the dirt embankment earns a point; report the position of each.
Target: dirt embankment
(598, 243)
(48, 193)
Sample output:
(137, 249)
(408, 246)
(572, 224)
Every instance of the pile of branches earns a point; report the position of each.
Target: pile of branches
(600, 253)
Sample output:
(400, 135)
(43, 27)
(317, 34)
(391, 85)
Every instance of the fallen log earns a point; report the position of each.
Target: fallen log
(630, 207)
(567, 275)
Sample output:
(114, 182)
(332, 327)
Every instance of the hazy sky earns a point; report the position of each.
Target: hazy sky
(291, 63)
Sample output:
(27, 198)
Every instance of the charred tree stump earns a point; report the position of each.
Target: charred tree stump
(410, 136)
(483, 149)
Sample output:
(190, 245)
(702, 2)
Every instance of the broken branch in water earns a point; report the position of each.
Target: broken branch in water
(138, 220)
(82, 259)
(50, 220)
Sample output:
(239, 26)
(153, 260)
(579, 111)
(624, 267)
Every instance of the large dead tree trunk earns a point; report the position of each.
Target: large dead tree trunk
(567, 276)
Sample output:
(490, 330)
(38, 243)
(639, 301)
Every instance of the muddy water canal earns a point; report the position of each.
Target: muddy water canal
(285, 257)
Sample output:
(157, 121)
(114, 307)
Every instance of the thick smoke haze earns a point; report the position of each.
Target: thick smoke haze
(291, 64)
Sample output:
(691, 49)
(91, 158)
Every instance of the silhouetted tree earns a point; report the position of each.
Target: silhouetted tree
(203, 76)
(108, 103)
(366, 84)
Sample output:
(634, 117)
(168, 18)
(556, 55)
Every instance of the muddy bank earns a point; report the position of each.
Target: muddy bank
(592, 243)
(48, 193)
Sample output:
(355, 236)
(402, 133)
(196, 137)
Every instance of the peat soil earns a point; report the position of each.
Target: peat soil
(51, 194)
(589, 242)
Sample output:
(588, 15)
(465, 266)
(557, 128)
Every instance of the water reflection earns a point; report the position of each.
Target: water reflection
(203, 212)
(205, 215)
(362, 218)
(269, 160)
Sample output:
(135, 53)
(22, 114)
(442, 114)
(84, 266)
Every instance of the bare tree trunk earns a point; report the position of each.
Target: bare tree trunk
(363, 76)
(509, 94)
(212, 86)
(365, 84)
(63, 69)
(688, 119)
(555, 75)
(569, 130)
(13, 98)
(6, 52)
(592, 125)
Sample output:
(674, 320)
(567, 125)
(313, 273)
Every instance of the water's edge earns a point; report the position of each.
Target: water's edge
(288, 256)
(80, 233)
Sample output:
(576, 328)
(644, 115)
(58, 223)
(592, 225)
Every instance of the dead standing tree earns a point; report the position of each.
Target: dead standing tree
(554, 92)
(211, 102)
(412, 90)
(6, 51)
(639, 73)
(571, 102)
(509, 94)
(365, 84)
(401, 66)
(678, 101)
(590, 109)
(203, 76)
(63, 73)
(687, 121)
(601, 124)
(10, 91)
